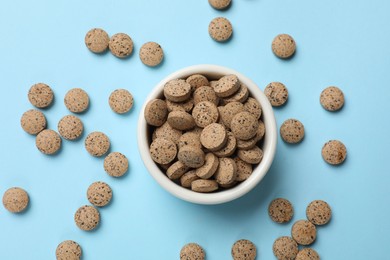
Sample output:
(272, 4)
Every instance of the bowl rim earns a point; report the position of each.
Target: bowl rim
(269, 145)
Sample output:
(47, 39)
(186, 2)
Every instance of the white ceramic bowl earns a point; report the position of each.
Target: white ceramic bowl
(269, 144)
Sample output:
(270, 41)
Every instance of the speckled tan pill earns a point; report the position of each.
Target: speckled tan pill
(176, 170)
(68, 250)
(177, 90)
(163, 151)
(205, 93)
(183, 106)
(280, 210)
(97, 40)
(204, 186)
(220, 29)
(76, 100)
(97, 144)
(116, 164)
(220, 4)
(229, 148)
(181, 120)
(276, 93)
(332, 98)
(156, 112)
(213, 137)
(187, 178)
(209, 167)
(205, 113)
(249, 144)
(226, 172)
(318, 212)
(283, 46)
(303, 232)
(15, 200)
(192, 251)
(151, 54)
(191, 156)
(307, 254)
(244, 125)
(197, 81)
(48, 141)
(190, 138)
(292, 131)
(228, 111)
(227, 86)
(334, 152)
(253, 107)
(244, 169)
(33, 121)
(244, 249)
(121, 101)
(87, 218)
(241, 95)
(166, 131)
(252, 156)
(40, 95)
(99, 194)
(70, 127)
(285, 248)
(121, 45)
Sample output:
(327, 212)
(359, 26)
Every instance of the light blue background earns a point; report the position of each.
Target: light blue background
(344, 43)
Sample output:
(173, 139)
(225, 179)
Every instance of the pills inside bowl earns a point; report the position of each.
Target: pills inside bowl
(205, 134)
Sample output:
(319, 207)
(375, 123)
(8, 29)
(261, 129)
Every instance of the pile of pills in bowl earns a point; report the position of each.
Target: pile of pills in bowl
(206, 135)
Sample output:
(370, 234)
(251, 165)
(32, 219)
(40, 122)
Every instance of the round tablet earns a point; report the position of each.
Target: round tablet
(76, 100)
(177, 90)
(276, 93)
(205, 113)
(228, 111)
(99, 194)
(253, 106)
(213, 137)
(204, 186)
(220, 4)
(244, 169)
(190, 138)
(116, 164)
(332, 99)
(241, 95)
(244, 249)
(33, 121)
(121, 101)
(249, 144)
(187, 178)
(227, 86)
(280, 210)
(156, 112)
(220, 29)
(209, 167)
(15, 200)
(176, 170)
(166, 131)
(307, 254)
(48, 141)
(318, 212)
(244, 125)
(252, 156)
(151, 54)
(192, 251)
(285, 248)
(70, 127)
(68, 250)
(40, 95)
(226, 172)
(283, 46)
(303, 232)
(163, 151)
(184, 106)
(181, 120)
(121, 45)
(97, 40)
(191, 156)
(87, 218)
(292, 131)
(197, 81)
(205, 93)
(334, 152)
(229, 148)
(97, 144)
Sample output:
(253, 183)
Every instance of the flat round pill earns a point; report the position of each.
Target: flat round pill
(334, 152)
(76, 100)
(184, 106)
(283, 46)
(177, 90)
(87, 218)
(187, 178)
(181, 120)
(33, 121)
(220, 29)
(213, 137)
(68, 250)
(121, 101)
(209, 167)
(97, 144)
(97, 40)
(226, 172)
(15, 200)
(166, 131)
(205, 113)
(220, 4)
(197, 81)
(253, 106)
(192, 251)
(121, 45)
(307, 254)
(249, 144)
(228, 111)
(176, 170)
(48, 141)
(190, 138)
(99, 194)
(244, 125)
(303, 232)
(156, 112)
(244, 169)
(227, 86)
(318, 212)
(204, 186)
(151, 54)
(332, 99)
(280, 210)
(229, 148)
(252, 156)
(205, 93)
(40, 95)
(116, 164)
(163, 151)
(276, 93)
(241, 95)
(70, 127)
(191, 156)
(285, 248)
(292, 131)
(244, 249)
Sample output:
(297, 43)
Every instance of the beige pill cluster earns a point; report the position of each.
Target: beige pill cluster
(206, 137)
